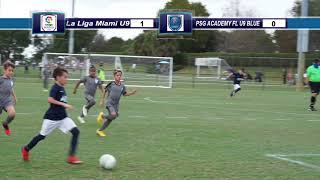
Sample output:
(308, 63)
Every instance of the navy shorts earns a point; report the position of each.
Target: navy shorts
(314, 87)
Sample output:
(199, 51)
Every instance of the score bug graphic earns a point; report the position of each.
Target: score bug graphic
(48, 23)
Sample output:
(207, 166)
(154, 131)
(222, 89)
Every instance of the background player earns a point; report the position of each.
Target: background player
(115, 90)
(91, 83)
(313, 74)
(7, 96)
(237, 78)
(56, 117)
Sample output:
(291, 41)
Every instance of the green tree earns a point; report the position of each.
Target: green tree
(82, 39)
(98, 44)
(114, 44)
(287, 40)
(249, 41)
(13, 42)
(41, 45)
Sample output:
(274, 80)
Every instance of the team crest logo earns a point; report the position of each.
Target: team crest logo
(175, 23)
(64, 99)
(48, 23)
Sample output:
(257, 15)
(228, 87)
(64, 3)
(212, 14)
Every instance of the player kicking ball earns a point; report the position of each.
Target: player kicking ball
(91, 83)
(237, 78)
(7, 96)
(115, 90)
(56, 117)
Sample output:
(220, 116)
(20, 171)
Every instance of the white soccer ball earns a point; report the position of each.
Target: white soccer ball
(107, 161)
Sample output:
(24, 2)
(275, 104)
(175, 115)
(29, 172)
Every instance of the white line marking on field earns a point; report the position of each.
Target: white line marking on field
(313, 120)
(249, 119)
(24, 113)
(235, 109)
(218, 118)
(301, 163)
(181, 117)
(293, 155)
(282, 119)
(148, 99)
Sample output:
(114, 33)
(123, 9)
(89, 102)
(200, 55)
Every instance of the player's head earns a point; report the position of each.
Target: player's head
(8, 68)
(92, 71)
(316, 61)
(60, 75)
(117, 74)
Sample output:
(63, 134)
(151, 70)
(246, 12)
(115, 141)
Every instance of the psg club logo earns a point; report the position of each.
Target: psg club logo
(48, 22)
(175, 23)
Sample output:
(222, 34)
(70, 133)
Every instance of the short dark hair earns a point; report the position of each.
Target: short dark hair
(316, 61)
(7, 64)
(116, 71)
(92, 67)
(58, 72)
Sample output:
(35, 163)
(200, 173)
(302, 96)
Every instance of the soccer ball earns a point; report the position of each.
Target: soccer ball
(107, 161)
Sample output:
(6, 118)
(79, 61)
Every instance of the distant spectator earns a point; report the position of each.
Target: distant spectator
(259, 76)
(284, 75)
(34, 64)
(26, 68)
(45, 76)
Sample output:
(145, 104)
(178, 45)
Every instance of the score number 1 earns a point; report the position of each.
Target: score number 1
(142, 23)
(274, 23)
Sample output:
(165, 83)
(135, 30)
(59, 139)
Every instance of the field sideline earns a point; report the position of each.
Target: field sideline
(179, 133)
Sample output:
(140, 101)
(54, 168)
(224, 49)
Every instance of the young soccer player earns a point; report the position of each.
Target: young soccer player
(237, 78)
(115, 90)
(7, 96)
(56, 117)
(91, 83)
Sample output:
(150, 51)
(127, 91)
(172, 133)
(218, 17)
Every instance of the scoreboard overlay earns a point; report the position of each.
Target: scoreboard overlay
(174, 23)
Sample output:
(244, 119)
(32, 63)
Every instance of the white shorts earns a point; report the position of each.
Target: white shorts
(236, 86)
(64, 125)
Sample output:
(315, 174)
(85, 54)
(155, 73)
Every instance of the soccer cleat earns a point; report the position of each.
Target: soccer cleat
(24, 154)
(81, 120)
(100, 133)
(84, 111)
(6, 129)
(74, 160)
(100, 118)
(232, 94)
(311, 108)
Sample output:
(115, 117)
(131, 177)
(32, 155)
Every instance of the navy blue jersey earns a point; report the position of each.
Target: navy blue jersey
(237, 78)
(56, 112)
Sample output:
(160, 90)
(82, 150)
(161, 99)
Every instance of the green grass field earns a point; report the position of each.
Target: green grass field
(179, 133)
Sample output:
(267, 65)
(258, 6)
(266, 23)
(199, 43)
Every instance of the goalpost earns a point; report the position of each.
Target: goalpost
(138, 71)
(212, 67)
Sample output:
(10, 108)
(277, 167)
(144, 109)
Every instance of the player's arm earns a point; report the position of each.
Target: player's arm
(51, 100)
(76, 87)
(82, 80)
(14, 96)
(130, 93)
(104, 92)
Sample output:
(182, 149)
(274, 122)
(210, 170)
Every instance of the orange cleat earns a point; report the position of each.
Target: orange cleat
(24, 154)
(74, 160)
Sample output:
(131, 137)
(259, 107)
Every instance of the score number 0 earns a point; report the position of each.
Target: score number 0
(274, 23)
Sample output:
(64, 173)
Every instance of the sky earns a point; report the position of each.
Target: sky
(134, 9)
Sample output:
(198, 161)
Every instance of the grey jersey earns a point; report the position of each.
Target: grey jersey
(91, 84)
(46, 73)
(114, 93)
(6, 89)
